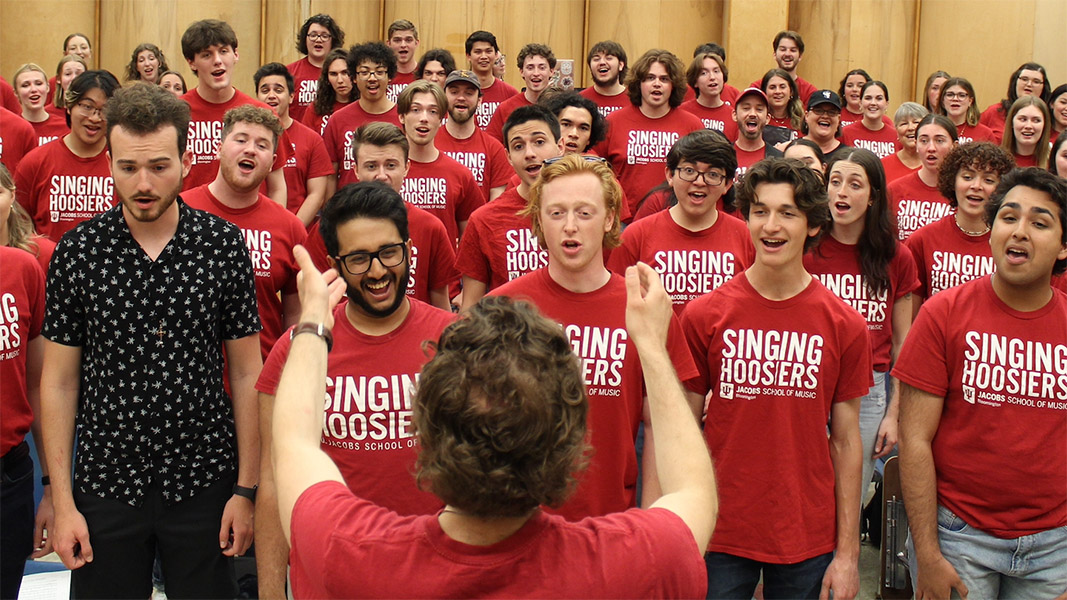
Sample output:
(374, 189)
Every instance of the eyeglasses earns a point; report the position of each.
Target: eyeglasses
(826, 112)
(358, 263)
(380, 74)
(1035, 80)
(90, 109)
(585, 157)
(690, 174)
(956, 95)
(320, 37)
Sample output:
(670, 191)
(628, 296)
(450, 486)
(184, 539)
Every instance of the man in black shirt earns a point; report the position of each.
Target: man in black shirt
(141, 302)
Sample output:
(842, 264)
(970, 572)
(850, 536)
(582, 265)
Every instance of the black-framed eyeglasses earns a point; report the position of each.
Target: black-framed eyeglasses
(690, 174)
(585, 157)
(358, 263)
(319, 37)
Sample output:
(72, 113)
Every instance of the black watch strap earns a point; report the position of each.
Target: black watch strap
(246, 492)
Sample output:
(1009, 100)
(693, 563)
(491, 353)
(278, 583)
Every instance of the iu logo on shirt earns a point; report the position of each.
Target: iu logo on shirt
(968, 394)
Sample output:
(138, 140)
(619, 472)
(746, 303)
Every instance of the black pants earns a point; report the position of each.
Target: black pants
(16, 518)
(125, 538)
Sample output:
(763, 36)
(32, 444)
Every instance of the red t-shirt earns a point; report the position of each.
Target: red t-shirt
(367, 429)
(44, 251)
(976, 133)
(838, 268)
(483, 155)
(994, 119)
(595, 324)
(8, 99)
(998, 450)
(637, 147)
(946, 257)
(498, 245)
(894, 169)
(343, 543)
(690, 263)
(397, 85)
(652, 204)
(341, 129)
(1024, 161)
(492, 97)
(307, 160)
(205, 135)
(445, 189)
(21, 317)
(60, 189)
(316, 122)
(270, 233)
(720, 119)
(51, 129)
(773, 369)
(746, 159)
(915, 204)
(432, 256)
(500, 116)
(17, 139)
(607, 104)
(882, 142)
(848, 117)
(306, 83)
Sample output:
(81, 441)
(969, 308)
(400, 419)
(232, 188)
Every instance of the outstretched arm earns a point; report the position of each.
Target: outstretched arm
(682, 459)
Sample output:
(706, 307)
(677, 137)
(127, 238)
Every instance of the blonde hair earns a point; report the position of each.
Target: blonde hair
(20, 231)
(576, 164)
(59, 95)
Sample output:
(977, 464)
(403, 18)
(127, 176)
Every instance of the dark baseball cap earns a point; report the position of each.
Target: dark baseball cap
(824, 97)
(463, 75)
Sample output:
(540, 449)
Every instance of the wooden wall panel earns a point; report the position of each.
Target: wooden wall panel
(33, 31)
(841, 35)
(982, 40)
(1050, 48)
(639, 25)
(282, 21)
(359, 18)
(750, 27)
(447, 23)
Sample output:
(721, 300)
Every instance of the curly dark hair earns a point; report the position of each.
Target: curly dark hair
(536, 50)
(325, 97)
(254, 115)
(878, 243)
(675, 69)
(337, 35)
(89, 80)
(1043, 181)
(599, 128)
(363, 200)
(375, 52)
(144, 108)
(500, 412)
(980, 156)
(809, 193)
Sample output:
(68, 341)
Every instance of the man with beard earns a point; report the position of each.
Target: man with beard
(377, 352)
(462, 140)
(250, 136)
(788, 49)
(607, 64)
(750, 114)
(138, 315)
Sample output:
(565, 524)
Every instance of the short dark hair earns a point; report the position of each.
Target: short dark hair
(980, 156)
(144, 108)
(1042, 181)
(536, 50)
(440, 55)
(274, 68)
(532, 112)
(611, 48)
(598, 130)
(337, 35)
(89, 80)
(256, 115)
(799, 41)
(704, 146)
(375, 52)
(500, 412)
(377, 133)
(712, 48)
(809, 193)
(480, 36)
(675, 69)
(402, 25)
(363, 200)
(206, 33)
(692, 74)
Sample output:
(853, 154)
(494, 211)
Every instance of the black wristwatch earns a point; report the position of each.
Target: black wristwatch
(246, 492)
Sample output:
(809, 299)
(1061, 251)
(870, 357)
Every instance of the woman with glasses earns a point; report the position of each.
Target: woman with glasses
(862, 263)
(693, 245)
(68, 180)
(1030, 79)
(318, 36)
(822, 123)
(960, 105)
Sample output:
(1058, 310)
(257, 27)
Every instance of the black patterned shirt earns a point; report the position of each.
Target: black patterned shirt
(152, 404)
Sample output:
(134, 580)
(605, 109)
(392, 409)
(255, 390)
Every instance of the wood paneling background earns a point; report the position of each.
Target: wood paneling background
(983, 40)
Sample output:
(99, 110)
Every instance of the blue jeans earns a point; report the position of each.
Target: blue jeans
(872, 410)
(1031, 566)
(734, 577)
